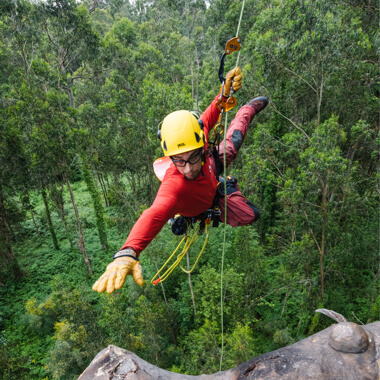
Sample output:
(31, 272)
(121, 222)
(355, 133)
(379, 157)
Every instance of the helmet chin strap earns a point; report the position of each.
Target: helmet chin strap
(203, 162)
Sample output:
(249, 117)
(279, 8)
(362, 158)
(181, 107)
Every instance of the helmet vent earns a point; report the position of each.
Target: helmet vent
(165, 146)
(197, 137)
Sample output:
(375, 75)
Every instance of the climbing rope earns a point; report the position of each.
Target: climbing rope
(225, 213)
(224, 106)
(189, 241)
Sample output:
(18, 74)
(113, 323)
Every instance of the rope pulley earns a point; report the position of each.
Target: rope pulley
(232, 45)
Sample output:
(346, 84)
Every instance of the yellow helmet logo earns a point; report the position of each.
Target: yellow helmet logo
(180, 133)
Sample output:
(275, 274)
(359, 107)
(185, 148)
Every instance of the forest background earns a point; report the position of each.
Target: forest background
(83, 87)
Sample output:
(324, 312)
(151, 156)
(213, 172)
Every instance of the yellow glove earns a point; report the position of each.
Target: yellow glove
(234, 78)
(114, 277)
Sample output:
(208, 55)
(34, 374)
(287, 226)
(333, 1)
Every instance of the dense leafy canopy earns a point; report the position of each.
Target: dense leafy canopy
(83, 87)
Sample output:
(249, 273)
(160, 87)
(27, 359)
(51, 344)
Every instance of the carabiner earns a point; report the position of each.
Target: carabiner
(232, 45)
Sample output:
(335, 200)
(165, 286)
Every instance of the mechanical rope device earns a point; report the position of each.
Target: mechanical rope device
(232, 45)
(212, 214)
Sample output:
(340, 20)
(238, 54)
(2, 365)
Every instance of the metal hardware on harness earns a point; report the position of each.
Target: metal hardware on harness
(232, 45)
(210, 215)
(216, 213)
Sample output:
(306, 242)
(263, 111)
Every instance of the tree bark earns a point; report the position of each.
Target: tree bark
(61, 209)
(323, 240)
(319, 101)
(79, 243)
(35, 224)
(71, 96)
(103, 187)
(4, 230)
(197, 84)
(50, 223)
(321, 356)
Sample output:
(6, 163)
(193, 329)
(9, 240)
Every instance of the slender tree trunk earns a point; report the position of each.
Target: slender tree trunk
(319, 103)
(152, 193)
(60, 204)
(191, 287)
(192, 79)
(108, 183)
(132, 182)
(79, 243)
(323, 239)
(35, 224)
(88, 177)
(66, 228)
(197, 84)
(103, 187)
(4, 234)
(71, 96)
(61, 207)
(285, 301)
(374, 293)
(50, 223)
(216, 65)
(187, 11)
(351, 152)
(11, 231)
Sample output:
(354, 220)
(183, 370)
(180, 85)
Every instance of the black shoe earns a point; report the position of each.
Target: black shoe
(259, 103)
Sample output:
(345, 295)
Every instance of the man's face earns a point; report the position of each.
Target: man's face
(189, 164)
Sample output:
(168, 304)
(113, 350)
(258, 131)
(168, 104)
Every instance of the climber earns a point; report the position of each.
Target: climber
(190, 183)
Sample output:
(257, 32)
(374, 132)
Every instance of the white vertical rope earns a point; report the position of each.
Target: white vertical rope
(225, 211)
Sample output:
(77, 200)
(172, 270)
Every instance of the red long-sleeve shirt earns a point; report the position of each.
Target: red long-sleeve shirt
(177, 195)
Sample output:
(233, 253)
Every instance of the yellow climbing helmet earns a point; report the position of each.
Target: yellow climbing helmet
(181, 132)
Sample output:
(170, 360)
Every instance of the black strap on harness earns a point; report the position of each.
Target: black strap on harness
(181, 223)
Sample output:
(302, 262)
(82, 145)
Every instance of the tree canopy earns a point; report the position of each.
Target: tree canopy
(83, 88)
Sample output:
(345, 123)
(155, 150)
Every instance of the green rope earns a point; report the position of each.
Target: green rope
(225, 211)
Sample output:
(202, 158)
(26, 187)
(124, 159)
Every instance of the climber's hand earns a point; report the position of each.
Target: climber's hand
(234, 79)
(114, 277)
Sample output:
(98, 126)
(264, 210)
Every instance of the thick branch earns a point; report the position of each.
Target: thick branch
(342, 351)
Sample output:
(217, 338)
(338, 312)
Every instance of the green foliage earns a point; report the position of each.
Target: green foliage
(83, 89)
(98, 205)
(207, 293)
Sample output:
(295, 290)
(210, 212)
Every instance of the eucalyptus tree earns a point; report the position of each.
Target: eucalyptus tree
(13, 176)
(70, 44)
(314, 173)
(17, 57)
(72, 41)
(316, 52)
